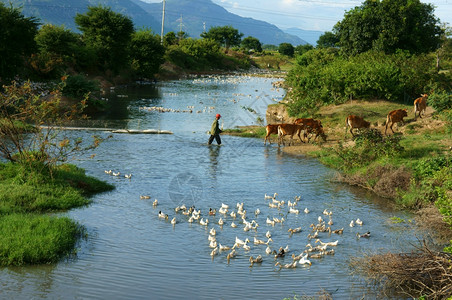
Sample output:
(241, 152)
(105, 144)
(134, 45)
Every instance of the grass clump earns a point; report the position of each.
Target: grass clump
(35, 239)
(26, 236)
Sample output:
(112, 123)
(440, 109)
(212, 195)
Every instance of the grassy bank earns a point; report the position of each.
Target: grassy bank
(28, 234)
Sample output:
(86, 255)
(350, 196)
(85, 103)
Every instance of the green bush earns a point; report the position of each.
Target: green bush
(440, 101)
(78, 86)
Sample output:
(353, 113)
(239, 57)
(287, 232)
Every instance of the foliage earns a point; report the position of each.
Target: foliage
(302, 49)
(286, 49)
(370, 145)
(440, 101)
(56, 39)
(45, 146)
(79, 87)
(327, 40)
(225, 35)
(170, 39)
(323, 77)
(32, 239)
(108, 33)
(251, 43)
(146, 53)
(16, 40)
(389, 25)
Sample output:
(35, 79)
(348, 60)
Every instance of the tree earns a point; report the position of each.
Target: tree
(169, 39)
(16, 40)
(56, 39)
(108, 33)
(251, 43)
(327, 40)
(286, 49)
(224, 35)
(146, 53)
(302, 49)
(389, 25)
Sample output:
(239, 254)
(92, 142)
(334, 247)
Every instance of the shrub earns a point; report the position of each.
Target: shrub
(440, 101)
(78, 86)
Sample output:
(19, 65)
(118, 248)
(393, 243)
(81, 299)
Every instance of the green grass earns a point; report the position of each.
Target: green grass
(27, 236)
(35, 239)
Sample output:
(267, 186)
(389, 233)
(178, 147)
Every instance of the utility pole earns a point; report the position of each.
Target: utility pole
(163, 22)
(204, 26)
(180, 25)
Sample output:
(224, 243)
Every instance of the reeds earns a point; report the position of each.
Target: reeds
(422, 272)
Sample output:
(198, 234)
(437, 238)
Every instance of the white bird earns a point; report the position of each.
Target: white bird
(233, 225)
(294, 230)
(325, 212)
(220, 222)
(231, 255)
(128, 176)
(270, 222)
(155, 203)
(257, 211)
(204, 223)
(246, 247)
(328, 243)
(306, 210)
(223, 211)
(271, 197)
(191, 219)
(214, 252)
(233, 214)
(211, 238)
(108, 172)
(268, 250)
(268, 234)
(145, 197)
(224, 206)
(352, 223)
(173, 221)
(294, 210)
(212, 231)
(224, 248)
(359, 222)
(162, 215)
(320, 219)
(241, 242)
(330, 222)
(302, 259)
(116, 173)
(213, 244)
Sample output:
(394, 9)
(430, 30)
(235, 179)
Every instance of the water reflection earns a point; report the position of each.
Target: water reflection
(214, 152)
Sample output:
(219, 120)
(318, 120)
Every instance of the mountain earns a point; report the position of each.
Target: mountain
(62, 12)
(310, 36)
(193, 17)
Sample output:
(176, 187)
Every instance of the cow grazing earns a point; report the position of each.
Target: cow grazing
(420, 104)
(312, 126)
(353, 121)
(289, 129)
(271, 129)
(395, 116)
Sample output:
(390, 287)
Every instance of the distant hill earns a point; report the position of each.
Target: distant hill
(310, 36)
(200, 14)
(190, 16)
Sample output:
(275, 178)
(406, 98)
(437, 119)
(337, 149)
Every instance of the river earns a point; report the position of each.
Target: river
(131, 253)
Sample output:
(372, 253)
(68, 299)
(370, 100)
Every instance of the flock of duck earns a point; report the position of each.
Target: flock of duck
(238, 217)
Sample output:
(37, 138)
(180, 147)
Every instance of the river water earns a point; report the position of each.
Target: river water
(131, 253)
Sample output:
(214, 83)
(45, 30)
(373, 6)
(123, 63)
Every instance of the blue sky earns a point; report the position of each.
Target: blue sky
(308, 14)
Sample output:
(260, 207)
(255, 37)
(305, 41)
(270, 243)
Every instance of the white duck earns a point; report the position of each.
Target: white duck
(328, 243)
(268, 234)
(258, 242)
(268, 250)
(292, 265)
(155, 203)
(359, 222)
(204, 223)
(352, 223)
(220, 222)
(233, 225)
(293, 210)
(306, 210)
(213, 231)
(173, 221)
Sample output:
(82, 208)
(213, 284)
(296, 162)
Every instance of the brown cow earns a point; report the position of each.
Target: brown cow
(420, 104)
(289, 129)
(271, 129)
(395, 116)
(353, 121)
(311, 126)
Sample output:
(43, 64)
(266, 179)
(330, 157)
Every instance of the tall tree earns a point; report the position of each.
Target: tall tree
(286, 49)
(16, 40)
(327, 40)
(146, 53)
(225, 35)
(389, 25)
(56, 39)
(109, 33)
(251, 43)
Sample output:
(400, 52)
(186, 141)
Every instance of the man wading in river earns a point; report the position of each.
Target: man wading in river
(215, 131)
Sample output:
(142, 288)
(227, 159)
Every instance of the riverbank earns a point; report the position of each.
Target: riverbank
(29, 233)
(398, 175)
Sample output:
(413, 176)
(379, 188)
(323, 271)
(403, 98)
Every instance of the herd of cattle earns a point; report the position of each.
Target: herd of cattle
(314, 127)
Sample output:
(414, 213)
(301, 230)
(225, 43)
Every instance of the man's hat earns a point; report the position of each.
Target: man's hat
(218, 116)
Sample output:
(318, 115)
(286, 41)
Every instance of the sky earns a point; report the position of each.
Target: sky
(319, 15)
